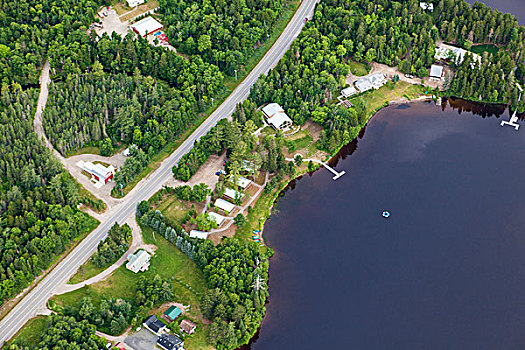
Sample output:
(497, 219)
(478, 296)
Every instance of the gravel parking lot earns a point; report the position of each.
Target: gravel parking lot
(142, 340)
(112, 24)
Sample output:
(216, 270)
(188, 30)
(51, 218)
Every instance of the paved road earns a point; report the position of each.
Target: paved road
(36, 300)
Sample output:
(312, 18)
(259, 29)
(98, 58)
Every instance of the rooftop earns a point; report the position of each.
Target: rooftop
(198, 234)
(169, 342)
(436, 71)
(154, 324)
(172, 312)
(146, 26)
(224, 205)
(219, 219)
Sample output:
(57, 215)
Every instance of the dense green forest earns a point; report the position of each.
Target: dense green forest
(113, 246)
(29, 27)
(38, 199)
(225, 33)
(64, 332)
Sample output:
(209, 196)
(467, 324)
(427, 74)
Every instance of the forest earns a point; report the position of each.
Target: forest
(225, 33)
(113, 246)
(38, 199)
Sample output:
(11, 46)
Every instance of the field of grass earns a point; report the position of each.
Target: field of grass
(377, 98)
(30, 334)
(303, 141)
(168, 262)
(358, 69)
(86, 271)
(174, 208)
(480, 49)
(85, 150)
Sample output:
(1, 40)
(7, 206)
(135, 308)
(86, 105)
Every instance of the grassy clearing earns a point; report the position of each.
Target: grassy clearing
(102, 163)
(149, 5)
(168, 262)
(480, 49)
(86, 271)
(377, 98)
(299, 143)
(84, 150)
(359, 69)
(174, 208)
(30, 334)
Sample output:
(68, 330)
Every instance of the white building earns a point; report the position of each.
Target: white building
(427, 6)
(444, 52)
(436, 72)
(349, 91)
(98, 172)
(219, 219)
(276, 117)
(224, 205)
(133, 3)
(198, 234)
(146, 26)
(242, 181)
(374, 81)
(231, 193)
(139, 261)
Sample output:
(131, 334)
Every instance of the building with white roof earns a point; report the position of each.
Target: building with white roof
(133, 3)
(231, 193)
(146, 26)
(436, 72)
(138, 262)
(219, 219)
(427, 6)
(242, 181)
(247, 166)
(373, 81)
(98, 172)
(276, 117)
(198, 234)
(444, 52)
(349, 91)
(224, 205)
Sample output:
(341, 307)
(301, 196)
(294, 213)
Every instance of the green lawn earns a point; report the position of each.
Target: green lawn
(168, 262)
(377, 98)
(86, 271)
(300, 143)
(30, 334)
(480, 49)
(359, 69)
(174, 208)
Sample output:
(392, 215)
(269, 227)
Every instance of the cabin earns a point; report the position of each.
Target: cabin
(219, 219)
(170, 342)
(276, 117)
(154, 325)
(187, 326)
(171, 314)
(349, 91)
(138, 262)
(436, 72)
(134, 3)
(232, 194)
(242, 182)
(198, 234)
(224, 205)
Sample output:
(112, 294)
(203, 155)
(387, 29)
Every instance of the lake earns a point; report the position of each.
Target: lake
(515, 7)
(445, 271)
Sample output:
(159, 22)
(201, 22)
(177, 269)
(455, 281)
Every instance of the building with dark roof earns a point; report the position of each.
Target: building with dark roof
(154, 325)
(170, 342)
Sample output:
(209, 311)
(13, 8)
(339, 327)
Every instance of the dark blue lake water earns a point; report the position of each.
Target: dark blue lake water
(445, 271)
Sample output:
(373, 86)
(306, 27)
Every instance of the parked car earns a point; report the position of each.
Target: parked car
(220, 172)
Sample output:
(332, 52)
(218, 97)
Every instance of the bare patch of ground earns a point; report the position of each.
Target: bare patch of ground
(206, 173)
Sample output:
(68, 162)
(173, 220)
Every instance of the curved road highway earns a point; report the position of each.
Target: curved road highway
(36, 300)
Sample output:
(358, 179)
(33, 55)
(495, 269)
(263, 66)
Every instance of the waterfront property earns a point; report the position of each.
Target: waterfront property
(276, 117)
(187, 326)
(138, 262)
(373, 81)
(171, 314)
(170, 342)
(436, 72)
(146, 26)
(99, 173)
(154, 325)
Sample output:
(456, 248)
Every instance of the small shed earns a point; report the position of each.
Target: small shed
(436, 71)
(224, 205)
(187, 326)
(171, 313)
